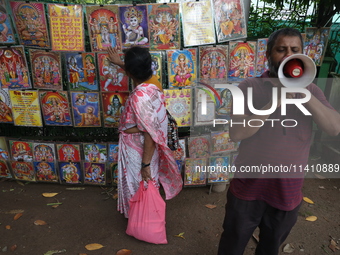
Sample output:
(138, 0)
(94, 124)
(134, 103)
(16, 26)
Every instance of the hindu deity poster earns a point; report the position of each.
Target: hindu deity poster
(21, 150)
(31, 23)
(94, 173)
(199, 146)
(5, 172)
(6, 115)
(113, 152)
(111, 77)
(95, 152)
(219, 169)
(195, 172)
(23, 171)
(113, 105)
(113, 168)
(213, 63)
(230, 21)
(13, 68)
(68, 152)
(156, 65)
(223, 107)
(26, 108)
(103, 26)
(55, 108)
(134, 25)
(178, 103)
(315, 43)
(46, 69)
(66, 27)
(6, 29)
(4, 153)
(221, 143)
(180, 154)
(81, 71)
(182, 69)
(164, 26)
(45, 171)
(204, 106)
(261, 59)
(86, 109)
(70, 173)
(44, 152)
(241, 61)
(198, 24)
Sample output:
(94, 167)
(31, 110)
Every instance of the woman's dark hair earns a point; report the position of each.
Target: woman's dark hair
(138, 63)
(288, 31)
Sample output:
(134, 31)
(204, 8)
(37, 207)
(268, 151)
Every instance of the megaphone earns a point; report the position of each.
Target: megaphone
(297, 71)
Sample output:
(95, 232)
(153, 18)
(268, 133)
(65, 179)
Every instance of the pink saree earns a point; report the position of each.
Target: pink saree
(145, 108)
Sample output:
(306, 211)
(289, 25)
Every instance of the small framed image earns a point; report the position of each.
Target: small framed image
(21, 150)
(221, 143)
(46, 171)
(4, 153)
(113, 168)
(113, 152)
(23, 171)
(95, 152)
(219, 169)
(68, 152)
(195, 172)
(44, 152)
(199, 146)
(94, 173)
(70, 173)
(4, 170)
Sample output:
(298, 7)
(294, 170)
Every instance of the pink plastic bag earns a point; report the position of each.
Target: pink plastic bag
(147, 215)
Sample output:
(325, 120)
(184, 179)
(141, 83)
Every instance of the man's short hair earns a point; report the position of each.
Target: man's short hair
(288, 31)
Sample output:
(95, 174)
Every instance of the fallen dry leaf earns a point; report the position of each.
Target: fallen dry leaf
(288, 248)
(320, 176)
(94, 246)
(115, 196)
(13, 247)
(8, 227)
(49, 194)
(17, 216)
(54, 206)
(124, 252)
(333, 245)
(311, 218)
(210, 206)
(321, 187)
(309, 201)
(14, 211)
(40, 223)
(181, 235)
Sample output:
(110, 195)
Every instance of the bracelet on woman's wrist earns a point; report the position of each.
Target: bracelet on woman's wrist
(145, 165)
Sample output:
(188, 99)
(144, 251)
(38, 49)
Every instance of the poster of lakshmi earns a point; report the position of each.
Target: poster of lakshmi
(6, 115)
(46, 69)
(178, 103)
(70, 173)
(23, 171)
(81, 71)
(182, 67)
(31, 23)
(13, 68)
(55, 108)
(261, 59)
(134, 25)
(230, 21)
(113, 105)
(103, 27)
(111, 76)
(46, 171)
(6, 29)
(86, 109)
(68, 152)
(242, 61)
(44, 152)
(156, 65)
(164, 26)
(94, 173)
(315, 43)
(66, 27)
(21, 150)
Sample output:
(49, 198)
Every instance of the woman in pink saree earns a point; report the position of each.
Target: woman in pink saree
(143, 151)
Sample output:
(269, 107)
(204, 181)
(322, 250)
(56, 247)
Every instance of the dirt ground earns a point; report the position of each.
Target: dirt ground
(90, 216)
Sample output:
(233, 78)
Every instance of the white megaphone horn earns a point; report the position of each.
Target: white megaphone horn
(297, 71)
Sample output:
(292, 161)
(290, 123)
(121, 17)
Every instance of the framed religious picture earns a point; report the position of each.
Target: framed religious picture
(219, 169)
(6, 115)
(261, 59)
(66, 20)
(4, 152)
(23, 171)
(68, 152)
(113, 105)
(55, 108)
(113, 168)
(164, 26)
(223, 107)
(113, 152)
(315, 43)
(230, 21)
(81, 71)
(221, 143)
(7, 33)
(241, 61)
(198, 23)
(95, 152)
(94, 173)
(70, 173)
(182, 69)
(112, 77)
(14, 71)
(199, 146)
(46, 69)
(178, 103)
(134, 25)
(103, 26)
(157, 65)
(21, 150)
(30, 21)
(204, 113)
(46, 171)
(86, 109)
(213, 63)
(44, 152)
(5, 171)
(180, 154)
(195, 172)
